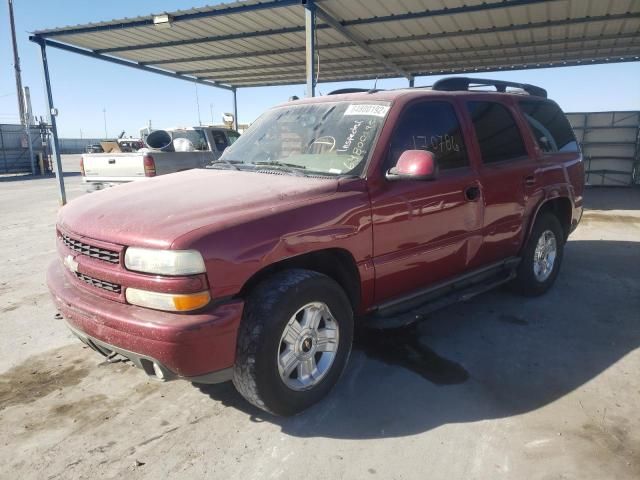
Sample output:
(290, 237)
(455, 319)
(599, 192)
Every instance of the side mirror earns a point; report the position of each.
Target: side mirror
(414, 165)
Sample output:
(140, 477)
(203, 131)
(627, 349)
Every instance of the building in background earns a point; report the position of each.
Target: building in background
(610, 145)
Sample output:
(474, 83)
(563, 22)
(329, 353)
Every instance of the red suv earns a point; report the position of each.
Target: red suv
(373, 207)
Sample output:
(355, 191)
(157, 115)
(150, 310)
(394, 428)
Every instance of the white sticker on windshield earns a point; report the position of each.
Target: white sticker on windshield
(363, 109)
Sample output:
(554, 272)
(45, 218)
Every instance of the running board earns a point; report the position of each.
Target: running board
(443, 295)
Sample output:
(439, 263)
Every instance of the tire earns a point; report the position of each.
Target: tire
(264, 346)
(530, 279)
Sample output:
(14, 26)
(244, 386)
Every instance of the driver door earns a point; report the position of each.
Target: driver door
(426, 231)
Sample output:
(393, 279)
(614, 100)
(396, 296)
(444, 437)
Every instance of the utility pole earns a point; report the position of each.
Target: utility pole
(28, 121)
(28, 111)
(16, 63)
(104, 115)
(24, 119)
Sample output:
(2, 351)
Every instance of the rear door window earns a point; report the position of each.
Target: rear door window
(220, 141)
(497, 133)
(550, 127)
(196, 137)
(232, 137)
(431, 126)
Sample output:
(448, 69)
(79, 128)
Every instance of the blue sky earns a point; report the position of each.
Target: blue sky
(82, 87)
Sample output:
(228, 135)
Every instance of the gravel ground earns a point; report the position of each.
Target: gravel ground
(499, 387)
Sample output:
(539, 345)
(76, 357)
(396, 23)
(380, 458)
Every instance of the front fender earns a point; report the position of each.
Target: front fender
(236, 253)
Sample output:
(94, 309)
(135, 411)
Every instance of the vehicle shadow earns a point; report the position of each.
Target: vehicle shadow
(496, 356)
(29, 177)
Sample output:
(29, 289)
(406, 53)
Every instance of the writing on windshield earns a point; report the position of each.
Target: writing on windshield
(331, 138)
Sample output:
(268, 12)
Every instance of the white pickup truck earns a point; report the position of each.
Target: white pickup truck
(183, 149)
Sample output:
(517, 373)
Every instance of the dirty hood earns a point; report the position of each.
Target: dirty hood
(155, 212)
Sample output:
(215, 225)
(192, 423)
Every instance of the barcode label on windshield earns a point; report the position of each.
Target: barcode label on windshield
(362, 109)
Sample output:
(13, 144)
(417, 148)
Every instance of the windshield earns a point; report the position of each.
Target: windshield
(328, 138)
(196, 137)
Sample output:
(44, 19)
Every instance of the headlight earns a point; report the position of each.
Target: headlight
(171, 302)
(164, 262)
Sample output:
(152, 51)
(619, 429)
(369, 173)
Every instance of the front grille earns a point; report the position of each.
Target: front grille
(90, 250)
(103, 284)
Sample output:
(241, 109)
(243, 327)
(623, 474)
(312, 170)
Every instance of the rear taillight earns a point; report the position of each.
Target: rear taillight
(149, 166)
(82, 166)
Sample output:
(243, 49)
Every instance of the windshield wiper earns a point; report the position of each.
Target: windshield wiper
(229, 163)
(278, 163)
(290, 167)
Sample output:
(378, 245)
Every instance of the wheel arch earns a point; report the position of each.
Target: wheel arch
(561, 207)
(336, 263)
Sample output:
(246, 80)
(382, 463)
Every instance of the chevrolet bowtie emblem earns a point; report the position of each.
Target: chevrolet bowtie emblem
(71, 263)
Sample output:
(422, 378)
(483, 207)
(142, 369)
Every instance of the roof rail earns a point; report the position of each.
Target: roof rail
(462, 83)
(353, 90)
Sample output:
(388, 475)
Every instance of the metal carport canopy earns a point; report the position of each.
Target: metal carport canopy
(278, 42)
(262, 43)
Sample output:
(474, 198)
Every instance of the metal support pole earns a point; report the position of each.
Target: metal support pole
(55, 145)
(412, 82)
(235, 108)
(310, 35)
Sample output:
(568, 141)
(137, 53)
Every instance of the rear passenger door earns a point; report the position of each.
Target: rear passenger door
(560, 160)
(506, 172)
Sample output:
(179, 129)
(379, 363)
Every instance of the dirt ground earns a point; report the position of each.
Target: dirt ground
(499, 387)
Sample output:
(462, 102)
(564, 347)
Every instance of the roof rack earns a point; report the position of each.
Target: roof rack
(353, 90)
(462, 83)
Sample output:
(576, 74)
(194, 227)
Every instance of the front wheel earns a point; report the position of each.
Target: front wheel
(294, 341)
(542, 256)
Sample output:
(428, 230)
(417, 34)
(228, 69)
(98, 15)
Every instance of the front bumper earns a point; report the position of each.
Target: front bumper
(199, 346)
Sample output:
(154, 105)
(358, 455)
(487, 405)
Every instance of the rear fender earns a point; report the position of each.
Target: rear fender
(554, 195)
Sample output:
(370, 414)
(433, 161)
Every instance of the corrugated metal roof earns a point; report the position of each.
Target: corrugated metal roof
(260, 43)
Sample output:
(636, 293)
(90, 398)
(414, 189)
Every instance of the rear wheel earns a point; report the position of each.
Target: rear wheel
(294, 341)
(542, 256)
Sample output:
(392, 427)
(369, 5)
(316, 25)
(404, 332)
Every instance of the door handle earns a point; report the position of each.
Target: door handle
(472, 193)
(530, 180)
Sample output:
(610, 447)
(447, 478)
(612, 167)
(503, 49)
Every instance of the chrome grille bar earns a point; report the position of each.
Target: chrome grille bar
(91, 250)
(103, 284)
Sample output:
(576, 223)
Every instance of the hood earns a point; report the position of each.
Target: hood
(155, 212)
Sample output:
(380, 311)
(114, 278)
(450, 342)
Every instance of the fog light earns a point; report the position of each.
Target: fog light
(158, 371)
